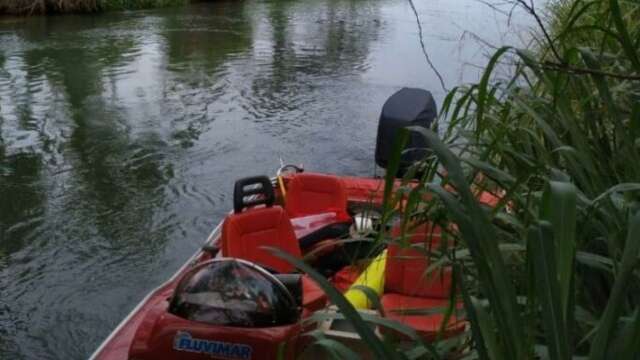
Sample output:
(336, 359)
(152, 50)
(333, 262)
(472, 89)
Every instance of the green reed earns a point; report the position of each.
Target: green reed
(552, 270)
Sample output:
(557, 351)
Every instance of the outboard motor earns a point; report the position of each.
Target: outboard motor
(407, 107)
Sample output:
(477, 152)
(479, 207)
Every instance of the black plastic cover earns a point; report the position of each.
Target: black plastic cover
(293, 283)
(233, 292)
(407, 107)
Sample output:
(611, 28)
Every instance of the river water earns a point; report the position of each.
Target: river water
(121, 134)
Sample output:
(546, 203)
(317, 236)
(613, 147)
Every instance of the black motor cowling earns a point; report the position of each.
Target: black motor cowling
(407, 107)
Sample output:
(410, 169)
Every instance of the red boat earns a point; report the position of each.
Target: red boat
(234, 299)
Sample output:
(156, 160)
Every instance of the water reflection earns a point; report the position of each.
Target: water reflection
(203, 37)
(21, 208)
(121, 135)
(297, 50)
(198, 41)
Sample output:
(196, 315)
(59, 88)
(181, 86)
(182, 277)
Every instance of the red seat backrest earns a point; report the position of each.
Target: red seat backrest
(406, 267)
(309, 194)
(245, 233)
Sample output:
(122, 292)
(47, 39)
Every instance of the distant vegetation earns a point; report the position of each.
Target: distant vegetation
(32, 7)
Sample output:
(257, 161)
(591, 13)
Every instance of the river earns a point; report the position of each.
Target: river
(121, 134)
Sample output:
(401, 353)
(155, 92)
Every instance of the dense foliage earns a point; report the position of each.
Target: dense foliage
(552, 271)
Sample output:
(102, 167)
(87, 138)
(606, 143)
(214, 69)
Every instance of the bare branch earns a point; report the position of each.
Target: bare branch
(424, 49)
(583, 71)
(532, 10)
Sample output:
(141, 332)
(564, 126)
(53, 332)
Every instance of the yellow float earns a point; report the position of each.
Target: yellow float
(373, 278)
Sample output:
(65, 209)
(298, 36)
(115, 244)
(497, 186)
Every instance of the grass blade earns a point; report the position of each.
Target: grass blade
(623, 34)
(631, 344)
(480, 236)
(482, 341)
(336, 349)
(559, 209)
(608, 322)
(547, 287)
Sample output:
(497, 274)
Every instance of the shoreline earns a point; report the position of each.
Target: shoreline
(27, 8)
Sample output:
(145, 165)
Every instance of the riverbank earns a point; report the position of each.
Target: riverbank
(38, 7)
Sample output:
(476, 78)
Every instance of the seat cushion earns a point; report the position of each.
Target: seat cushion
(344, 278)
(407, 266)
(425, 233)
(406, 274)
(244, 235)
(313, 297)
(426, 325)
(312, 229)
(309, 194)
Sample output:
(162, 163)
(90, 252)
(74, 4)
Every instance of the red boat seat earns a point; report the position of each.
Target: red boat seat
(317, 206)
(313, 297)
(244, 235)
(344, 278)
(311, 194)
(408, 287)
(405, 269)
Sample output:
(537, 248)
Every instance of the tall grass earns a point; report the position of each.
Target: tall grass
(561, 139)
(552, 270)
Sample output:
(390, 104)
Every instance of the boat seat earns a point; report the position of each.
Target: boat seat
(345, 277)
(408, 287)
(313, 229)
(245, 235)
(257, 223)
(317, 207)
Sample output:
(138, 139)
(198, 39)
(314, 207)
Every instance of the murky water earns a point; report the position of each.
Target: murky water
(121, 135)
